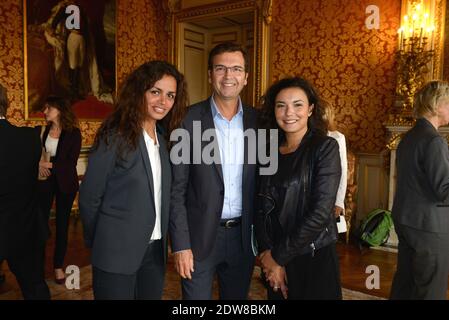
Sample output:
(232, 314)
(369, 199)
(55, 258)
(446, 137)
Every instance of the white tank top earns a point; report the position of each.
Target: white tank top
(51, 144)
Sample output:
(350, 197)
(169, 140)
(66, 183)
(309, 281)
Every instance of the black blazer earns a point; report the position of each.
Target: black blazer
(198, 191)
(20, 222)
(422, 187)
(66, 158)
(117, 205)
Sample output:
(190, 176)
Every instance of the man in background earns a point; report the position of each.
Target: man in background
(23, 231)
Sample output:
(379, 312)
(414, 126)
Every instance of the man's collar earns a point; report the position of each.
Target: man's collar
(215, 110)
(2, 118)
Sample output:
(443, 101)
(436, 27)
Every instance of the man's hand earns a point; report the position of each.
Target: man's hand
(184, 263)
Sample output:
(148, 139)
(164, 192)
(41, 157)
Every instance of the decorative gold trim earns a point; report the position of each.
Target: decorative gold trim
(393, 141)
(170, 7)
(267, 11)
(440, 12)
(262, 17)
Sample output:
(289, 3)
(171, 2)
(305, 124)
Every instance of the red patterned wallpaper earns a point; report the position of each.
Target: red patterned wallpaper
(140, 33)
(326, 41)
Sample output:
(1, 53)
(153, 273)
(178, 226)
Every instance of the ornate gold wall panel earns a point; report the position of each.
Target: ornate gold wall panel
(326, 41)
(140, 35)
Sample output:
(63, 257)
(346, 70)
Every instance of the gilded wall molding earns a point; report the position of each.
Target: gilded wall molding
(439, 18)
(268, 11)
(213, 9)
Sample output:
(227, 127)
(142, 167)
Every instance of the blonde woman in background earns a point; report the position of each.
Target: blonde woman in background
(421, 203)
(329, 117)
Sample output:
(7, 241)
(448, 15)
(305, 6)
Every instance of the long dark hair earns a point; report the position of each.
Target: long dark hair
(267, 118)
(67, 118)
(130, 110)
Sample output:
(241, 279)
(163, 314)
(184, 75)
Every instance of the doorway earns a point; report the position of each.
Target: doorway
(194, 30)
(197, 37)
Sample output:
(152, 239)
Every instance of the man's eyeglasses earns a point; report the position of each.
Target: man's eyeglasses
(221, 69)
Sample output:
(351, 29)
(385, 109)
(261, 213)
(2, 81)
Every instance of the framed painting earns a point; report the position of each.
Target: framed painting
(70, 51)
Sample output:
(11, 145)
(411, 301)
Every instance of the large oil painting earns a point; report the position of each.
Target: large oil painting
(70, 51)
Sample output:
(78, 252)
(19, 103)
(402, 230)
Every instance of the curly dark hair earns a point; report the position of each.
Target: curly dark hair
(67, 118)
(267, 118)
(130, 109)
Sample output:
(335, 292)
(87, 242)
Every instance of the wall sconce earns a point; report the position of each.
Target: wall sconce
(414, 55)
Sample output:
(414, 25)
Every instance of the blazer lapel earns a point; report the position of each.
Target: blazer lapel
(208, 123)
(165, 182)
(147, 165)
(62, 138)
(248, 123)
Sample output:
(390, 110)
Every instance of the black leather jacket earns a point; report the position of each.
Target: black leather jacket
(306, 216)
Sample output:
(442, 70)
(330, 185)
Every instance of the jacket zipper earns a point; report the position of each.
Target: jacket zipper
(312, 245)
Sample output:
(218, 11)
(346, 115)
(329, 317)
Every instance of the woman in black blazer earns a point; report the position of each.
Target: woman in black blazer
(61, 140)
(124, 197)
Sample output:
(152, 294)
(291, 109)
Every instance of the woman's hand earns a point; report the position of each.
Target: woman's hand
(274, 273)
(338, 211)
(44, 168)
(278, 280)
(44, 172)
(45, 164)
(267, 260)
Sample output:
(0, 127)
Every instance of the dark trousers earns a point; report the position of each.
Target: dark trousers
(48, 190)
(229, 262)
(423, 265)
(146, 284)
(29, 269)
(312, 278)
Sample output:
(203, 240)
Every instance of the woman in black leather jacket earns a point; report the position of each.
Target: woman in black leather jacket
(295, 224)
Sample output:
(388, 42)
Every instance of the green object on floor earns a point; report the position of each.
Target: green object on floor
(375, 228)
